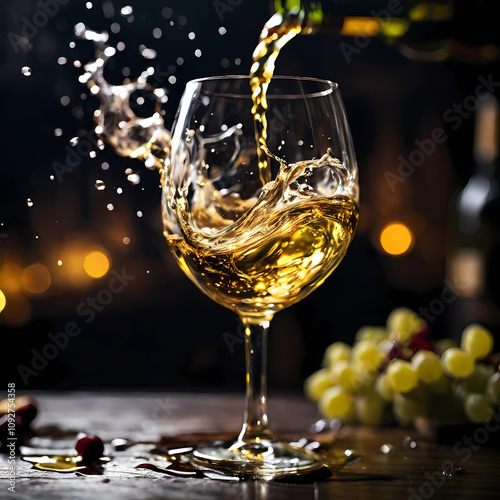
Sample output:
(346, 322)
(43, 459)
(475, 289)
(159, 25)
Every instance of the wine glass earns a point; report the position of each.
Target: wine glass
(257, 235)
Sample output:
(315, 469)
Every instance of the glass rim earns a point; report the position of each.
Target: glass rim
(330, 86)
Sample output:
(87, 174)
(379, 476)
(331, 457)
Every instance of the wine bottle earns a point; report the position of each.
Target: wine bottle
(431, 30)
(474, 268)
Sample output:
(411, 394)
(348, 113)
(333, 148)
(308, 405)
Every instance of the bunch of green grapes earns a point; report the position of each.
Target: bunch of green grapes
(396, 372)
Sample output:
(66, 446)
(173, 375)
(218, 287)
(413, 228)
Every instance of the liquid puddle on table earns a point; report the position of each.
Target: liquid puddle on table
(172, 456)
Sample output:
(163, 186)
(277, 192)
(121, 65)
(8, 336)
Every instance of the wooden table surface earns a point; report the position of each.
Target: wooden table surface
(393, 463)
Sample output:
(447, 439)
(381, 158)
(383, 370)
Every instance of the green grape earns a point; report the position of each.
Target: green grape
(428, 366)
(476, 381)
(440, 386)
(366, 356)
(402, 323)
(383, 387)
(369, 409)
(344, 374)
(477, 340)
(478, 408)
(406, 407)
(317, 383)
(401, 375)
(443, 344)
(374, 333)
(493, 388)
(336, 403)
(457, 363)
(338, 351)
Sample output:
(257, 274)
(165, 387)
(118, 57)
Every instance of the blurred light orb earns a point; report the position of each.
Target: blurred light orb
(96, 264)
(3, 301)
(36, 278)
(396, 238)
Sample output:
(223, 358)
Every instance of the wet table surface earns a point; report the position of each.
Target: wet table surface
(392, 463)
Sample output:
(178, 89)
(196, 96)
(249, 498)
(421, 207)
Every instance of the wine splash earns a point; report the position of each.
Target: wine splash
(130, 135)
(279, 250)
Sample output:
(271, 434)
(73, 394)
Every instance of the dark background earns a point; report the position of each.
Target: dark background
(160, 332)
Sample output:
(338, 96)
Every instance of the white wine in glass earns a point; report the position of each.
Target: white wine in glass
(259, 232)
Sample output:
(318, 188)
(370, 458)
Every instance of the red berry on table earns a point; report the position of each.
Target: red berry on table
(89, 447)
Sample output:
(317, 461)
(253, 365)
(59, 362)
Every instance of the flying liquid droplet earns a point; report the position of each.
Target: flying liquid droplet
(134, 179)
(126, 11)
(74, 141)
(30, 202)
(26, 71)
(100, 185)
(110, 206)
(147, 53)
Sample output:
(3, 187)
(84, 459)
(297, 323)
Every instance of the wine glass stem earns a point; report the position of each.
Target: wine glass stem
(255, 429)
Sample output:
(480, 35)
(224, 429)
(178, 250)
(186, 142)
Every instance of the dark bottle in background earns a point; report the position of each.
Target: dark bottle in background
(474, 259)
(432, 30)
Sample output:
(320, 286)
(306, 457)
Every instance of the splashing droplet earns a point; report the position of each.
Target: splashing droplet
(74, 141)
(134, 179)
(167, 12)
(126, 240)
(147, 53)
(100, 185)
(30, 202)
(59, 263)
(110, 206)
(139, 214)
(126, 11)
(119, 190)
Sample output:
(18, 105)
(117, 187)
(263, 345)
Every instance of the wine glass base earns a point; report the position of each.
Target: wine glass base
(267, 461)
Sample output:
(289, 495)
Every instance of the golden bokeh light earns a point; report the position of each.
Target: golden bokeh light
(10, 277)
(3, 301)
(396, 238)
(36, 278)
(96, 264)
